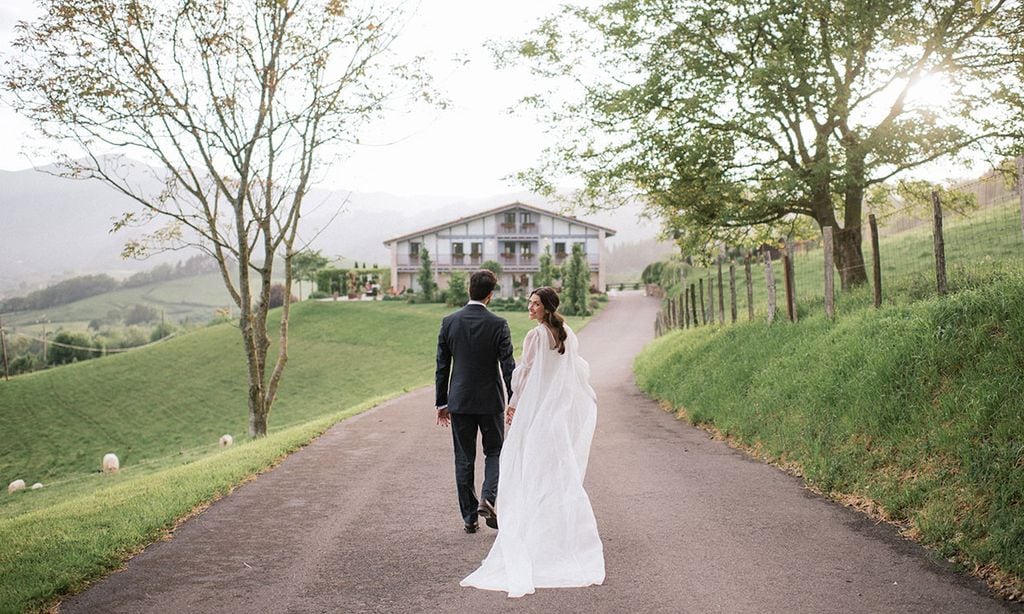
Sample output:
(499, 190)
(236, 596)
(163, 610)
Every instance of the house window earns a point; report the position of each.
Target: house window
(527, 219)
(457, 249)
(583, 247)
(414, 250)
(510, 218)
(476, 249)
(559, 249)
(526, 249)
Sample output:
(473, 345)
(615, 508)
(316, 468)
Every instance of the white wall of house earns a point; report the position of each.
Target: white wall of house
(525, 244)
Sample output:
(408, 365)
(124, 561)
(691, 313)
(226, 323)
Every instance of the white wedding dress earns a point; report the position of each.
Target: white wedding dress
(547, 533)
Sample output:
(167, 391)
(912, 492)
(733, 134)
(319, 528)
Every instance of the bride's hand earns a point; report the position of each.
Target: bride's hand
(511, 411)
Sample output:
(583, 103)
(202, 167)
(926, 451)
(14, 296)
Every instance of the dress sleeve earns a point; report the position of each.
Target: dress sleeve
(530, 347)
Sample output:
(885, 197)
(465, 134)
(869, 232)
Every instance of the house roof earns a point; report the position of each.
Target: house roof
(476, 216)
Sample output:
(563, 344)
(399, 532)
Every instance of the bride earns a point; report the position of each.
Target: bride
(548, 536)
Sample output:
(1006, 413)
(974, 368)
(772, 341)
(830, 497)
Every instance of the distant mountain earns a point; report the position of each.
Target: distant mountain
(52, 228)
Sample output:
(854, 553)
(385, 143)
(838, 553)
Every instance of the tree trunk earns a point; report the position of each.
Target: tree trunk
(847, 250)
(849, 257)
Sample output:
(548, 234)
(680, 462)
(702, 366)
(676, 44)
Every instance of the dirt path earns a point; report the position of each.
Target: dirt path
(366, 520)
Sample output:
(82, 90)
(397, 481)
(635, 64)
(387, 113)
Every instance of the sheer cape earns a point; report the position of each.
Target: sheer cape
(547, 533)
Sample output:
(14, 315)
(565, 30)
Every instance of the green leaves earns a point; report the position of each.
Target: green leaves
(724, 116)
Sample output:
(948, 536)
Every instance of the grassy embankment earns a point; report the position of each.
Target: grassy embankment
(915, 410)
(162, 410)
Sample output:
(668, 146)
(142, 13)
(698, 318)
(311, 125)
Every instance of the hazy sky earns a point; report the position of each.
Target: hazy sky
(464, 150)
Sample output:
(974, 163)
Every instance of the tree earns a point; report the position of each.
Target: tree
(546, 275)
(458, 289)
(493, 266)
(576, 282)
(306, 264)
(727, 116)
(233, 108)
(140, 314)
(68, 347)
(426, 276)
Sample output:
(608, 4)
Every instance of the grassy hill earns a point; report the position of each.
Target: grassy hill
(916, 411)
(183, 394)
(191, 299)
(162, 410)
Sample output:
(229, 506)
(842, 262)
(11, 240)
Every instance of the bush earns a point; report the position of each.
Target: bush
(140, 314)
(277, 296)
(163, 329)
(316, 294)
(73, 348)
(457, 293)
(25, 363)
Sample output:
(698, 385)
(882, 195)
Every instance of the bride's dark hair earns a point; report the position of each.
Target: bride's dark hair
(554, 320)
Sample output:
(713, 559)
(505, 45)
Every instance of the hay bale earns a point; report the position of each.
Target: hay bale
(37, 486)
(15, 486)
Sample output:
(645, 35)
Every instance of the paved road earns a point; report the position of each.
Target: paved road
(366, 520)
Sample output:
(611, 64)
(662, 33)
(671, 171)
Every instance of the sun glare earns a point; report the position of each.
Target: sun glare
(930, 90)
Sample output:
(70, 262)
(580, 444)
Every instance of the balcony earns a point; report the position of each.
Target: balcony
(527, 231)
(510, 262)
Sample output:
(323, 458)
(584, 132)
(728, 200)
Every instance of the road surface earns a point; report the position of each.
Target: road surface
(366, 519)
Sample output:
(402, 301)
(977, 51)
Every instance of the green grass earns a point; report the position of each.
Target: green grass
(162, 410)
(918, 407)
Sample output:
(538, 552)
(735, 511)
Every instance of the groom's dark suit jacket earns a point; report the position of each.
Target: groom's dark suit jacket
(471, 346)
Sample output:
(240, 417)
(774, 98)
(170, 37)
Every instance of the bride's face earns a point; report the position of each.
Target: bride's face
(536, 308)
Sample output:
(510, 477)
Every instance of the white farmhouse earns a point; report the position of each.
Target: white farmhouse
(513, 235)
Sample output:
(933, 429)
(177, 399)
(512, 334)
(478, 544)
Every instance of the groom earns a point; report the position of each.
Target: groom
(474, 349)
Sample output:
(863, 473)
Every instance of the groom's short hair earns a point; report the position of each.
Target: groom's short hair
(481, 284)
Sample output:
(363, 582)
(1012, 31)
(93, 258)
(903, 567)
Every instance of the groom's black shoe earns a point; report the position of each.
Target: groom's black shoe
(488, 513)
(471, 527)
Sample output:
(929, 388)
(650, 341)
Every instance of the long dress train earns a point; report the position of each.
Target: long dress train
(547, 533)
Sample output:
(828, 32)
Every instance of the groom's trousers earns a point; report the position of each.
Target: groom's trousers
(464, 430)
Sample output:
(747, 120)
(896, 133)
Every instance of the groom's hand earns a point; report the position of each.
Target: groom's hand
(511, 411)
(444, 417)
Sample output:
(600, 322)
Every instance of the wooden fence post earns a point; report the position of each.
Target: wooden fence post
(711, 295)
(750, 286)
(721, 293)
(769, 279)
(792, 283)
(732, 289)
(693, 304)
(940, 245)
(830, 307)
(787, 273)
(876, 262)
(1020, 189)
(703, 307)
(686, 307)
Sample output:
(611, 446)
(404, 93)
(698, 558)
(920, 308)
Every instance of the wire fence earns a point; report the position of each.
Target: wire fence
(960, 237)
